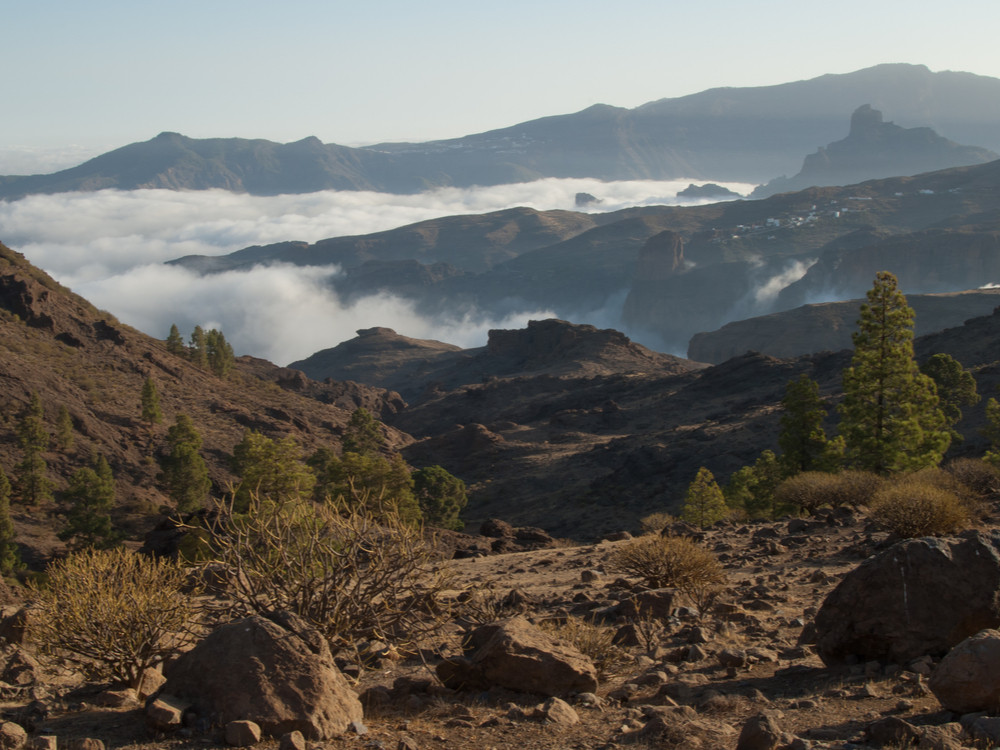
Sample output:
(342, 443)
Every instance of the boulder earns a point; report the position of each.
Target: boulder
(275, 671)
(761, 732)
(12, 736)
(514, 654)
(968, 679)
(242, 733)
(921, 596)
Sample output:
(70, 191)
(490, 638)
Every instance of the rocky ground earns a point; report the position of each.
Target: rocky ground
(698, 682)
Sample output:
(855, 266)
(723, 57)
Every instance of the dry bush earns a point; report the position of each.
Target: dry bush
(672, 561)
(981, 478)
(913, 508)
(591, 640)
(654, 523)
(350, 573)
(112, 613)
(812, 490)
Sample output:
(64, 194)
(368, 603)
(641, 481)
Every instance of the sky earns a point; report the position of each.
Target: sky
(82, 78)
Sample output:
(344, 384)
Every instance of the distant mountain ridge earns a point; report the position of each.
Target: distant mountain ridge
(725, 134)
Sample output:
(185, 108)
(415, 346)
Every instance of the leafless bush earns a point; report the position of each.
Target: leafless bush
(112, 613)
(654, 523)
(349, 572)
(673, 561)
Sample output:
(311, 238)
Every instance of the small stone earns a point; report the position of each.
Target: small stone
(166, 713)
(150, 681)
(115, 698)
(242, 733)
(558, 711)
(12, 736)
(589, 576)
(358, 727)
(292, 741)
(406, 743)
(87, 743)
(43, 742)
(760, 732)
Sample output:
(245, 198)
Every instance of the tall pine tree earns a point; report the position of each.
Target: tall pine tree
(890, 418)
(10, 556)
(90, 495)
(182, 469)
(803, 442)
(31, 482)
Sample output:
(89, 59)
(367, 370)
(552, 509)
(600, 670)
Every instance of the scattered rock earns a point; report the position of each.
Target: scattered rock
(85, 743)
(12, 736)
(557, 711)
(166, 713)
(761, 732)
(242, 733)
(921, 596)
(515, 654)
(968, 678)
(275, 671)
(43, 742)
(292, 741)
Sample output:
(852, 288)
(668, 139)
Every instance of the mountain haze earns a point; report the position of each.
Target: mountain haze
(726, 134)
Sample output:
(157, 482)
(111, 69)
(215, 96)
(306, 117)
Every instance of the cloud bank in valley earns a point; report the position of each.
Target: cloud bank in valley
(109, 246)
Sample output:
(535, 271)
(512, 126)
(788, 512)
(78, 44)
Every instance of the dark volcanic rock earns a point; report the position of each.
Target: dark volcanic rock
(921, 596)
(708, 190)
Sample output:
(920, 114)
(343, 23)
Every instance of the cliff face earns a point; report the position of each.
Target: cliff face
(874, 149)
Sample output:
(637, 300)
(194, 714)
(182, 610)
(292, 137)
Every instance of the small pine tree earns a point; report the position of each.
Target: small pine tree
(992, 432)
(441, 496)
(90, 496)
(182, 469)
(362, 434)
(704, 503)
(10, 555)
(219, 353)
(199, 347)
(65, 437)
(150, 399)
(890, 418)
(272, 469)
(955, 388)
(31, 482)
(752, 487)
(803, 442)
(175, 344)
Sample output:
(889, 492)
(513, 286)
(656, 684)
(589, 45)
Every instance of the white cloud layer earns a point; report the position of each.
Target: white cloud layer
(109, 247)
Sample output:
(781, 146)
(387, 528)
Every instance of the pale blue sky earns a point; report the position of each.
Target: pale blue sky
(104, 73)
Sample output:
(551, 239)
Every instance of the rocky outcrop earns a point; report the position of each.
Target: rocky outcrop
(277, 672)
(515, 654)
(874, 148)
(921, 596)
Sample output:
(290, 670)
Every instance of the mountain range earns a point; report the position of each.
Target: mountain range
(725, 134)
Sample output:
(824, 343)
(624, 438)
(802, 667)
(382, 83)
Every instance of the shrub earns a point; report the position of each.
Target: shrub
(856, 488)
(654, 523)
(981, 478)
(350, 573)
(672, 561)
(112, 613)
(916, 508)
(809, 491)
(591, 640)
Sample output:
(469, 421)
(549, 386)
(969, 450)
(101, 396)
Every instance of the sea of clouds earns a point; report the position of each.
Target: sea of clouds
(109, 246)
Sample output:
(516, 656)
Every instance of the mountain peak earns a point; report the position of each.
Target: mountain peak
(865, 118)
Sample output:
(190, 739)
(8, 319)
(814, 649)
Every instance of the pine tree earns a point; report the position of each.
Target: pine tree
(219, 353)
(955, 388)
(365, 480)
(362, 434)
(199, 347)
(890, 418)
(272, 469)
(65, 438)
(10, 555)
(175, 344)
(150, 399)
(441, 496)
(752, 487)
(90, 495)
(803, 442)
(704, 503)
(31, 482)
(182, 469)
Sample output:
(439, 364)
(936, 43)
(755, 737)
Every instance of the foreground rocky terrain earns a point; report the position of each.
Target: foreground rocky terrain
(765, 657)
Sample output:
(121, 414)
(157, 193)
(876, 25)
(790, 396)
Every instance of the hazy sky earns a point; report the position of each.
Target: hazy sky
(88, 76)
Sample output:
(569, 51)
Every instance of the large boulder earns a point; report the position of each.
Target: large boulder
(968, 679)
(516, 655)
(275, 671)
(921, 596)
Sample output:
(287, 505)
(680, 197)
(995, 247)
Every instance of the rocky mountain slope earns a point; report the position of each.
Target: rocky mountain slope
(734, 134)
(874, 149)
(72, 355)
(828, 326)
